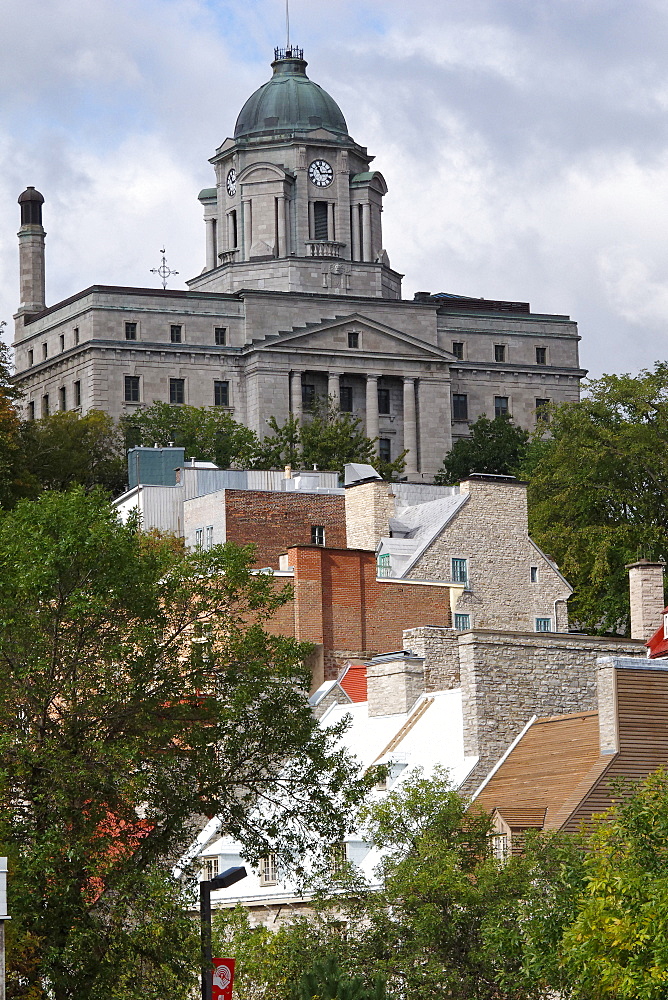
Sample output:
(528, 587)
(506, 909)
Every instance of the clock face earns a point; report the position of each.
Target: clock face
(321, 173)
(232, 182)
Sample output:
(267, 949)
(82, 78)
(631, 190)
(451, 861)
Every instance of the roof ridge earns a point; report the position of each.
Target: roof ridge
(406, 728)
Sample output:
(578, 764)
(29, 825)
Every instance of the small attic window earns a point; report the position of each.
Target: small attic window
(270, 122)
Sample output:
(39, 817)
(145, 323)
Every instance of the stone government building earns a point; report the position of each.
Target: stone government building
(297, 301)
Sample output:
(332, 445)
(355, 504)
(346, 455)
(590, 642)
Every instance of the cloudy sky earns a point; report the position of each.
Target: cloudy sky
(524, 142)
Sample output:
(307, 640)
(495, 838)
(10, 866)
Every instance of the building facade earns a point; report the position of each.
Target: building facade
(297, 302)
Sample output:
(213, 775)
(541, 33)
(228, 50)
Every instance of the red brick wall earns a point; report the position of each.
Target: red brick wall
(341, 606)
(275, 522)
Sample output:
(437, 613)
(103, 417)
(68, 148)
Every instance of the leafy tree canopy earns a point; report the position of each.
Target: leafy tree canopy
(12, 479)
(67, 449)
(495, 446)
(327, 439)
(598, 491)
(208, 433)
(139, 689)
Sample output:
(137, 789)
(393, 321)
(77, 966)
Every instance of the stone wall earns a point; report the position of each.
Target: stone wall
(506, 677)
(439, 649)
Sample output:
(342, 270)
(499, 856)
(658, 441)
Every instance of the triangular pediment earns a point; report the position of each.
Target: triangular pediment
(332, 336)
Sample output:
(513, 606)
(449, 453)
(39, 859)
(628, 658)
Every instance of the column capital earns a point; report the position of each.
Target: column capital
(369, 377)
(409, 378)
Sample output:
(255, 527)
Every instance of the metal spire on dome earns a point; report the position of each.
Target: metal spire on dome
(290, 51)
(287, 23)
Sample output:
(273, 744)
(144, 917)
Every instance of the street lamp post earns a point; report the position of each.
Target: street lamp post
(222, 881)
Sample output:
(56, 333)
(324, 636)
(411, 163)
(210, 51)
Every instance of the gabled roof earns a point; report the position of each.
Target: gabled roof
(550, 770)
(424, 522)
(657, 646)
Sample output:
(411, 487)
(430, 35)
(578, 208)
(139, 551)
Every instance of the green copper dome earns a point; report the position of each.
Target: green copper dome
(289, 102)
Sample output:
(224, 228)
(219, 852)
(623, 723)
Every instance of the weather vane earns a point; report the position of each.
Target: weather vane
(164, 271)
(287, 22)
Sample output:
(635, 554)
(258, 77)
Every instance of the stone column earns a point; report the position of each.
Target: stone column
(333, 389)
(330, 221)
(230, 233)
(372, 428)
(281, 226)
(296, 395)
(410, 426)
(248, 228)
(211, 248)
(355, 237)
(366, 230)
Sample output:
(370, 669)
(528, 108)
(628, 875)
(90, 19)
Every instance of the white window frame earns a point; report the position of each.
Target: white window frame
(268, 874)
(199, 538)
(210, 868)
(208, 543)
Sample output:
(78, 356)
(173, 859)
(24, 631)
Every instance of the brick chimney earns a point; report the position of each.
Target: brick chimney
(646, 596)
(395, 681)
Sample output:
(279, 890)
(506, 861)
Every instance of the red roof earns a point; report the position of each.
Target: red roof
(658, 644)
(353, 681)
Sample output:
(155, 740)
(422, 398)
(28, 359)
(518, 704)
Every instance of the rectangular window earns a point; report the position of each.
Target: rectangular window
(543, 624)
(338, 858)
(175, 334)
(460, 406)
(533, 574)
(383, 565)
(208, 543)
(346, 399)
(460, 571)
(177, 390)
(384, 401)
(499, 846)
(221, 393)
(45, 351)
(385, 449)
(132, 388)
(500, 406)
(31, 359)
(268, 870)
(499, 352)
(130, 331)
(462, 622)
(31, 410)
(77, 393)
(541, 355)
(62, 397)
(210, 869)
(317, 534)
(76, 334)
(62, 341)
(45, 405)
(199, 538)
(220, 336)
(308, 396)
(543, 410)
(353, 340)
(458, 349)
(320, 227)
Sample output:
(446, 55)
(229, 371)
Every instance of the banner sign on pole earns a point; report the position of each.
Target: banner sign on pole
(223, 978)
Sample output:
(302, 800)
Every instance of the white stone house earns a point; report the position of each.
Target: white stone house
(475, 534)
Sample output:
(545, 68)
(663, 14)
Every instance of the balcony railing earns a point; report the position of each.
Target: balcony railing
(227, 256)
(325, 248)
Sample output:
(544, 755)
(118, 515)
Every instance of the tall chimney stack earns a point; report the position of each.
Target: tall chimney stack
(31, 252)
(646, 595)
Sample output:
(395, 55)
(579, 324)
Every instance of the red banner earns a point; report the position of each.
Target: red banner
(223, 979)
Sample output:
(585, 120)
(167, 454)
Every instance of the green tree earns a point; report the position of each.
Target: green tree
(140, 689)
(598, 492)
(326, 981)
(327, 439)
(67, 449)
(12, 477)
(617, 945)
(495, 446)
(208, 433)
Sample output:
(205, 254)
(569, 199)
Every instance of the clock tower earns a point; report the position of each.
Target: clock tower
(296, 206)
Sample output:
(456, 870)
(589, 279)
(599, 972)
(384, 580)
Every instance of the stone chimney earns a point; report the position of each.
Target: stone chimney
(31, 252)
(369, 507)
(395, 681)
(646, 597)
